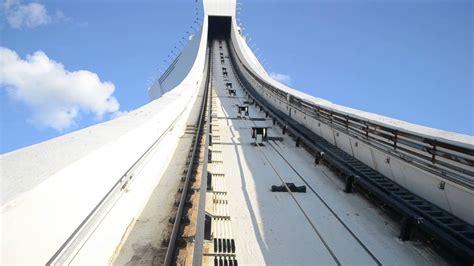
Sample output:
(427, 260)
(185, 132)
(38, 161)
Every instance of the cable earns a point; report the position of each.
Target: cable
(329, 208)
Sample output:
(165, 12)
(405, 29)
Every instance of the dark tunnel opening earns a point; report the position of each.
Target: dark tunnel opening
(219, 27)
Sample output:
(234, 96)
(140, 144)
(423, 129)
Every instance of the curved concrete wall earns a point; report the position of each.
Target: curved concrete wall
(48, 189)
(179, 68)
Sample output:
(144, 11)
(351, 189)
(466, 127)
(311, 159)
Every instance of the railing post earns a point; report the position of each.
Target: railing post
(349, 183)
(317, 157)
(433, 151)
(367, 130)
(395, 140)
(405, 230)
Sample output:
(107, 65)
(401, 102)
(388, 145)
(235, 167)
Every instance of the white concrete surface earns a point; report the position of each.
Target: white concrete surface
(269, 228)
(49, 188)
(179, 69)
(455, 198)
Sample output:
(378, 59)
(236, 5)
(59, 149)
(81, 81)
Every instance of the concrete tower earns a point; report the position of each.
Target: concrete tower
(111, 193)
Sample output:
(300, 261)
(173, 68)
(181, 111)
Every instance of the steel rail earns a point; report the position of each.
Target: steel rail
(311, 223)
(320, 199)
(171, 250)
(201, 212)
(327, 206)
(300, 207)
(69, 249)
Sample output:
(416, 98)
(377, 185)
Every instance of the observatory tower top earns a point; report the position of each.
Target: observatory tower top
(220, 7)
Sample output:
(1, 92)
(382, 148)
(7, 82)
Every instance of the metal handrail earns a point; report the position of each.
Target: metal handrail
(169, 69)
(447, 160)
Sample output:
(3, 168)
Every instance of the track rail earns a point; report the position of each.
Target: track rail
(326, 205)
(73, 244)
(202, 128)
(453, 233)
(312, 224)
(199, 237)
(70, 248)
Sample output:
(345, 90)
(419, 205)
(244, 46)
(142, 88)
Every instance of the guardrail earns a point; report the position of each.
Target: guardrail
(449, 161)
(169, 69)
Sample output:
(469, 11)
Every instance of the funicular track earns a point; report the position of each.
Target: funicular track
(263, 152)
(177, 240)
(447, 230)
(216, 244)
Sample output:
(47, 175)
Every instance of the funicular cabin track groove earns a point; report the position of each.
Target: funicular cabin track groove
(201, 130)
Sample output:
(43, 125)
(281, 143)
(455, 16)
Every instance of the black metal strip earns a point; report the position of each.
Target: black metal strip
(171, 250)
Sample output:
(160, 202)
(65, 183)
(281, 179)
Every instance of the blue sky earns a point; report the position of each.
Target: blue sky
(407, 59)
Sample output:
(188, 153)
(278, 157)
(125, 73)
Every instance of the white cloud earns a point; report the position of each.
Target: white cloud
(55, 96)
(31, 15)
(286, 79)
(20, 15)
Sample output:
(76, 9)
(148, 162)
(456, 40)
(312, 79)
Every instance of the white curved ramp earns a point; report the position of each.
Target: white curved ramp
(75, 199)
